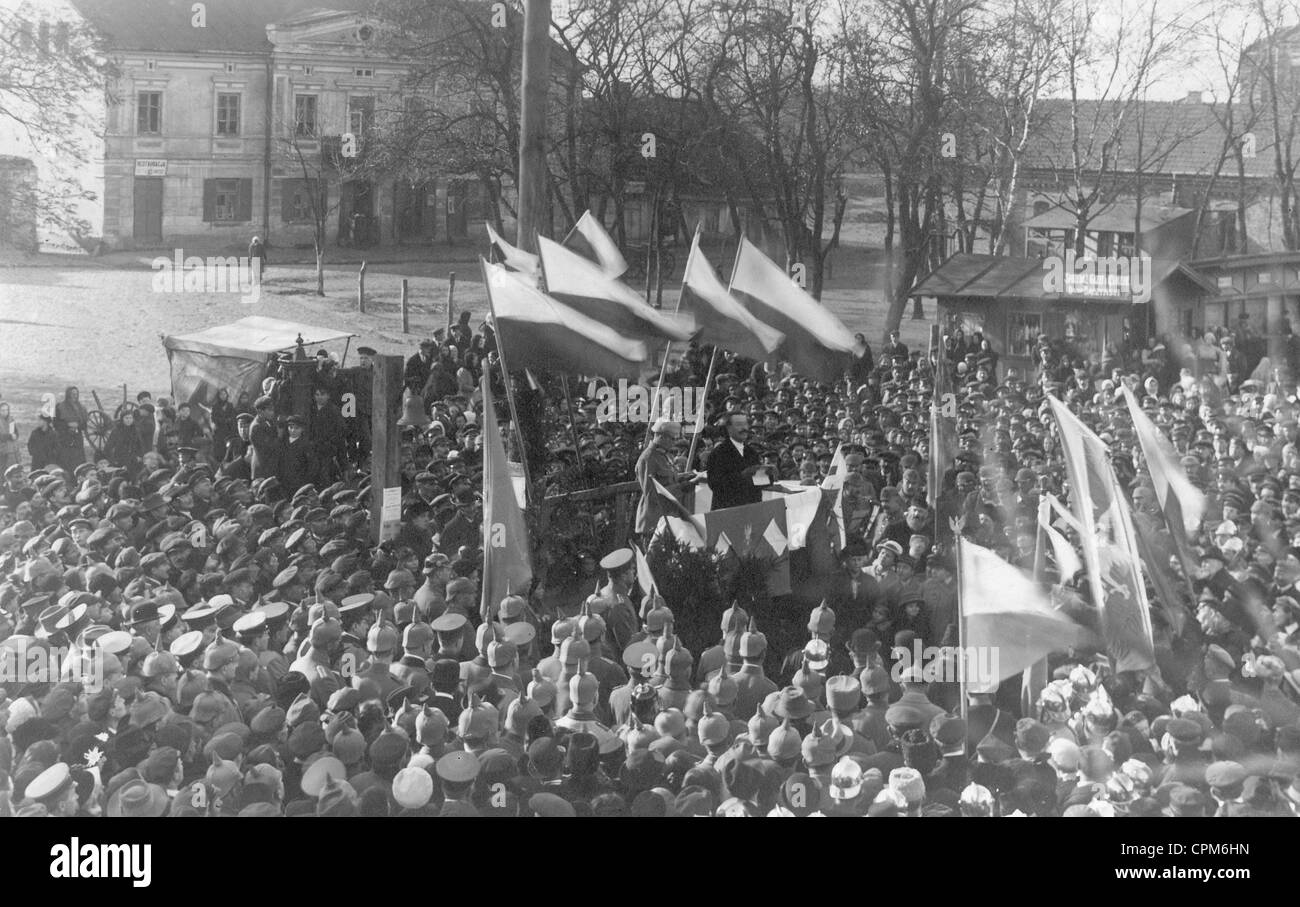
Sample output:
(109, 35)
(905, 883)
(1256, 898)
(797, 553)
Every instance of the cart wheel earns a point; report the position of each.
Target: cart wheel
(127, 407)
(98, 427)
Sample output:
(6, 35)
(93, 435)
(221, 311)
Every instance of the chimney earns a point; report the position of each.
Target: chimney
(1194, 97)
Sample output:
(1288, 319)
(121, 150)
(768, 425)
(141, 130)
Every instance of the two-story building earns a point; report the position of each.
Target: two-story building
(227, 118)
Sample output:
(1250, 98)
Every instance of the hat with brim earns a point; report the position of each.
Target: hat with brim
(793, 704)
(140, 800)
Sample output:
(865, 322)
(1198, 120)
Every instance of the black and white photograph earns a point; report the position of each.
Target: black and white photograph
(650, 409)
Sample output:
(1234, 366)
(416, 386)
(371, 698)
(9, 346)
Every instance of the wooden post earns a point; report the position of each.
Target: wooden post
(385, 436)
(361, 289)
(406, 313)
(451, 292)
(532, 116)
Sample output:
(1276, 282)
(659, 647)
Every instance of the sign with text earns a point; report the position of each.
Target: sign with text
(148, 166)
(390, 515)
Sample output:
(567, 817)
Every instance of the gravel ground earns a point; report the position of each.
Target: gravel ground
(101, 327)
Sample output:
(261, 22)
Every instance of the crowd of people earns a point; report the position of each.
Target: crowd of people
(221, 638)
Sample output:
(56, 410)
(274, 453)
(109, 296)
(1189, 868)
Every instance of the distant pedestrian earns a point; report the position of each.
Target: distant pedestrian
(9, 453)
(257, 254)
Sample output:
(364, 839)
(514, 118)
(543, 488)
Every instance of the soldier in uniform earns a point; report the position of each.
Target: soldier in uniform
(430, 599)
(277, 635)
(821, 629)
(640, 659)
(734, 620)
(655, 465)
(753, 686)
(613, 601)
(264, 440)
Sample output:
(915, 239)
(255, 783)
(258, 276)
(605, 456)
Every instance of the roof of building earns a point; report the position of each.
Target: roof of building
(1118, 216)
(971, 276)
(1183, 137)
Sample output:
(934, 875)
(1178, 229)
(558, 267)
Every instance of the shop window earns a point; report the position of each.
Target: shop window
(1023, 329)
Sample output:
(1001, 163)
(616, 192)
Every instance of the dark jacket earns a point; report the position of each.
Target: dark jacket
(730, 487)
(265, 441)
(297, 466)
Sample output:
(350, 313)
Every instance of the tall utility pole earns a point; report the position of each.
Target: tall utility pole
(532, 140)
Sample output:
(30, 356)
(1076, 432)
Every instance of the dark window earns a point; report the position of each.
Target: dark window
(304, 115)
(148, 120)
(227, 114)
(361, 113)
(227, 200)
(295, 200)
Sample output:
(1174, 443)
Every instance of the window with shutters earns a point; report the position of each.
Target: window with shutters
(148, 119)
(227, 200)
(304, 115)
(227, 114)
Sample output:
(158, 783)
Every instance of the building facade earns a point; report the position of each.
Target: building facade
(209, 148)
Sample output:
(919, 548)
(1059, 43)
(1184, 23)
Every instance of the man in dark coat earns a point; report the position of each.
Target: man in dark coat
(418, 366)
(235, 463)
(296, 462)
(265, 440)
(327, 438)
(732, 467)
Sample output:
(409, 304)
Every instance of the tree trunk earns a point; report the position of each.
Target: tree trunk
(320, 270)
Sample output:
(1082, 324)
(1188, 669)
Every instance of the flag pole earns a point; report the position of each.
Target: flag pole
(574, 229)
(510, 390)
(1033, 678)
(663, 369)
(695, 438)
(961, 631)
(573, 426)
(713, 360)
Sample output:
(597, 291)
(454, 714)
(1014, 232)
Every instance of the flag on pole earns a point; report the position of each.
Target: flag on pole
(644, 578)
(943, 434)
(686, 526)
(722, 320)
(838, 470)
(1109, 543)
(1067, 559)
(1009, 621)
(515, 259)
(817, 344)
(507, 557)
(1182, 502)
(599, 244)
(544, 334)
(834, 481)
(582, 286)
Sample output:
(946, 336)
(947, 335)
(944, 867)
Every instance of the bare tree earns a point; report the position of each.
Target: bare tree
(1110, 145)
(902, 73)
(780, 69)
(1236, 116)
(53, 77)
(1272, 89)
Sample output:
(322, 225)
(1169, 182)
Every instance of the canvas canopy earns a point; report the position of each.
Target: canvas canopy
(235, 355)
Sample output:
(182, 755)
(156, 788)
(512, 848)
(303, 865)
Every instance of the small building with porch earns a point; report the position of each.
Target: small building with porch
(1011, 301)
